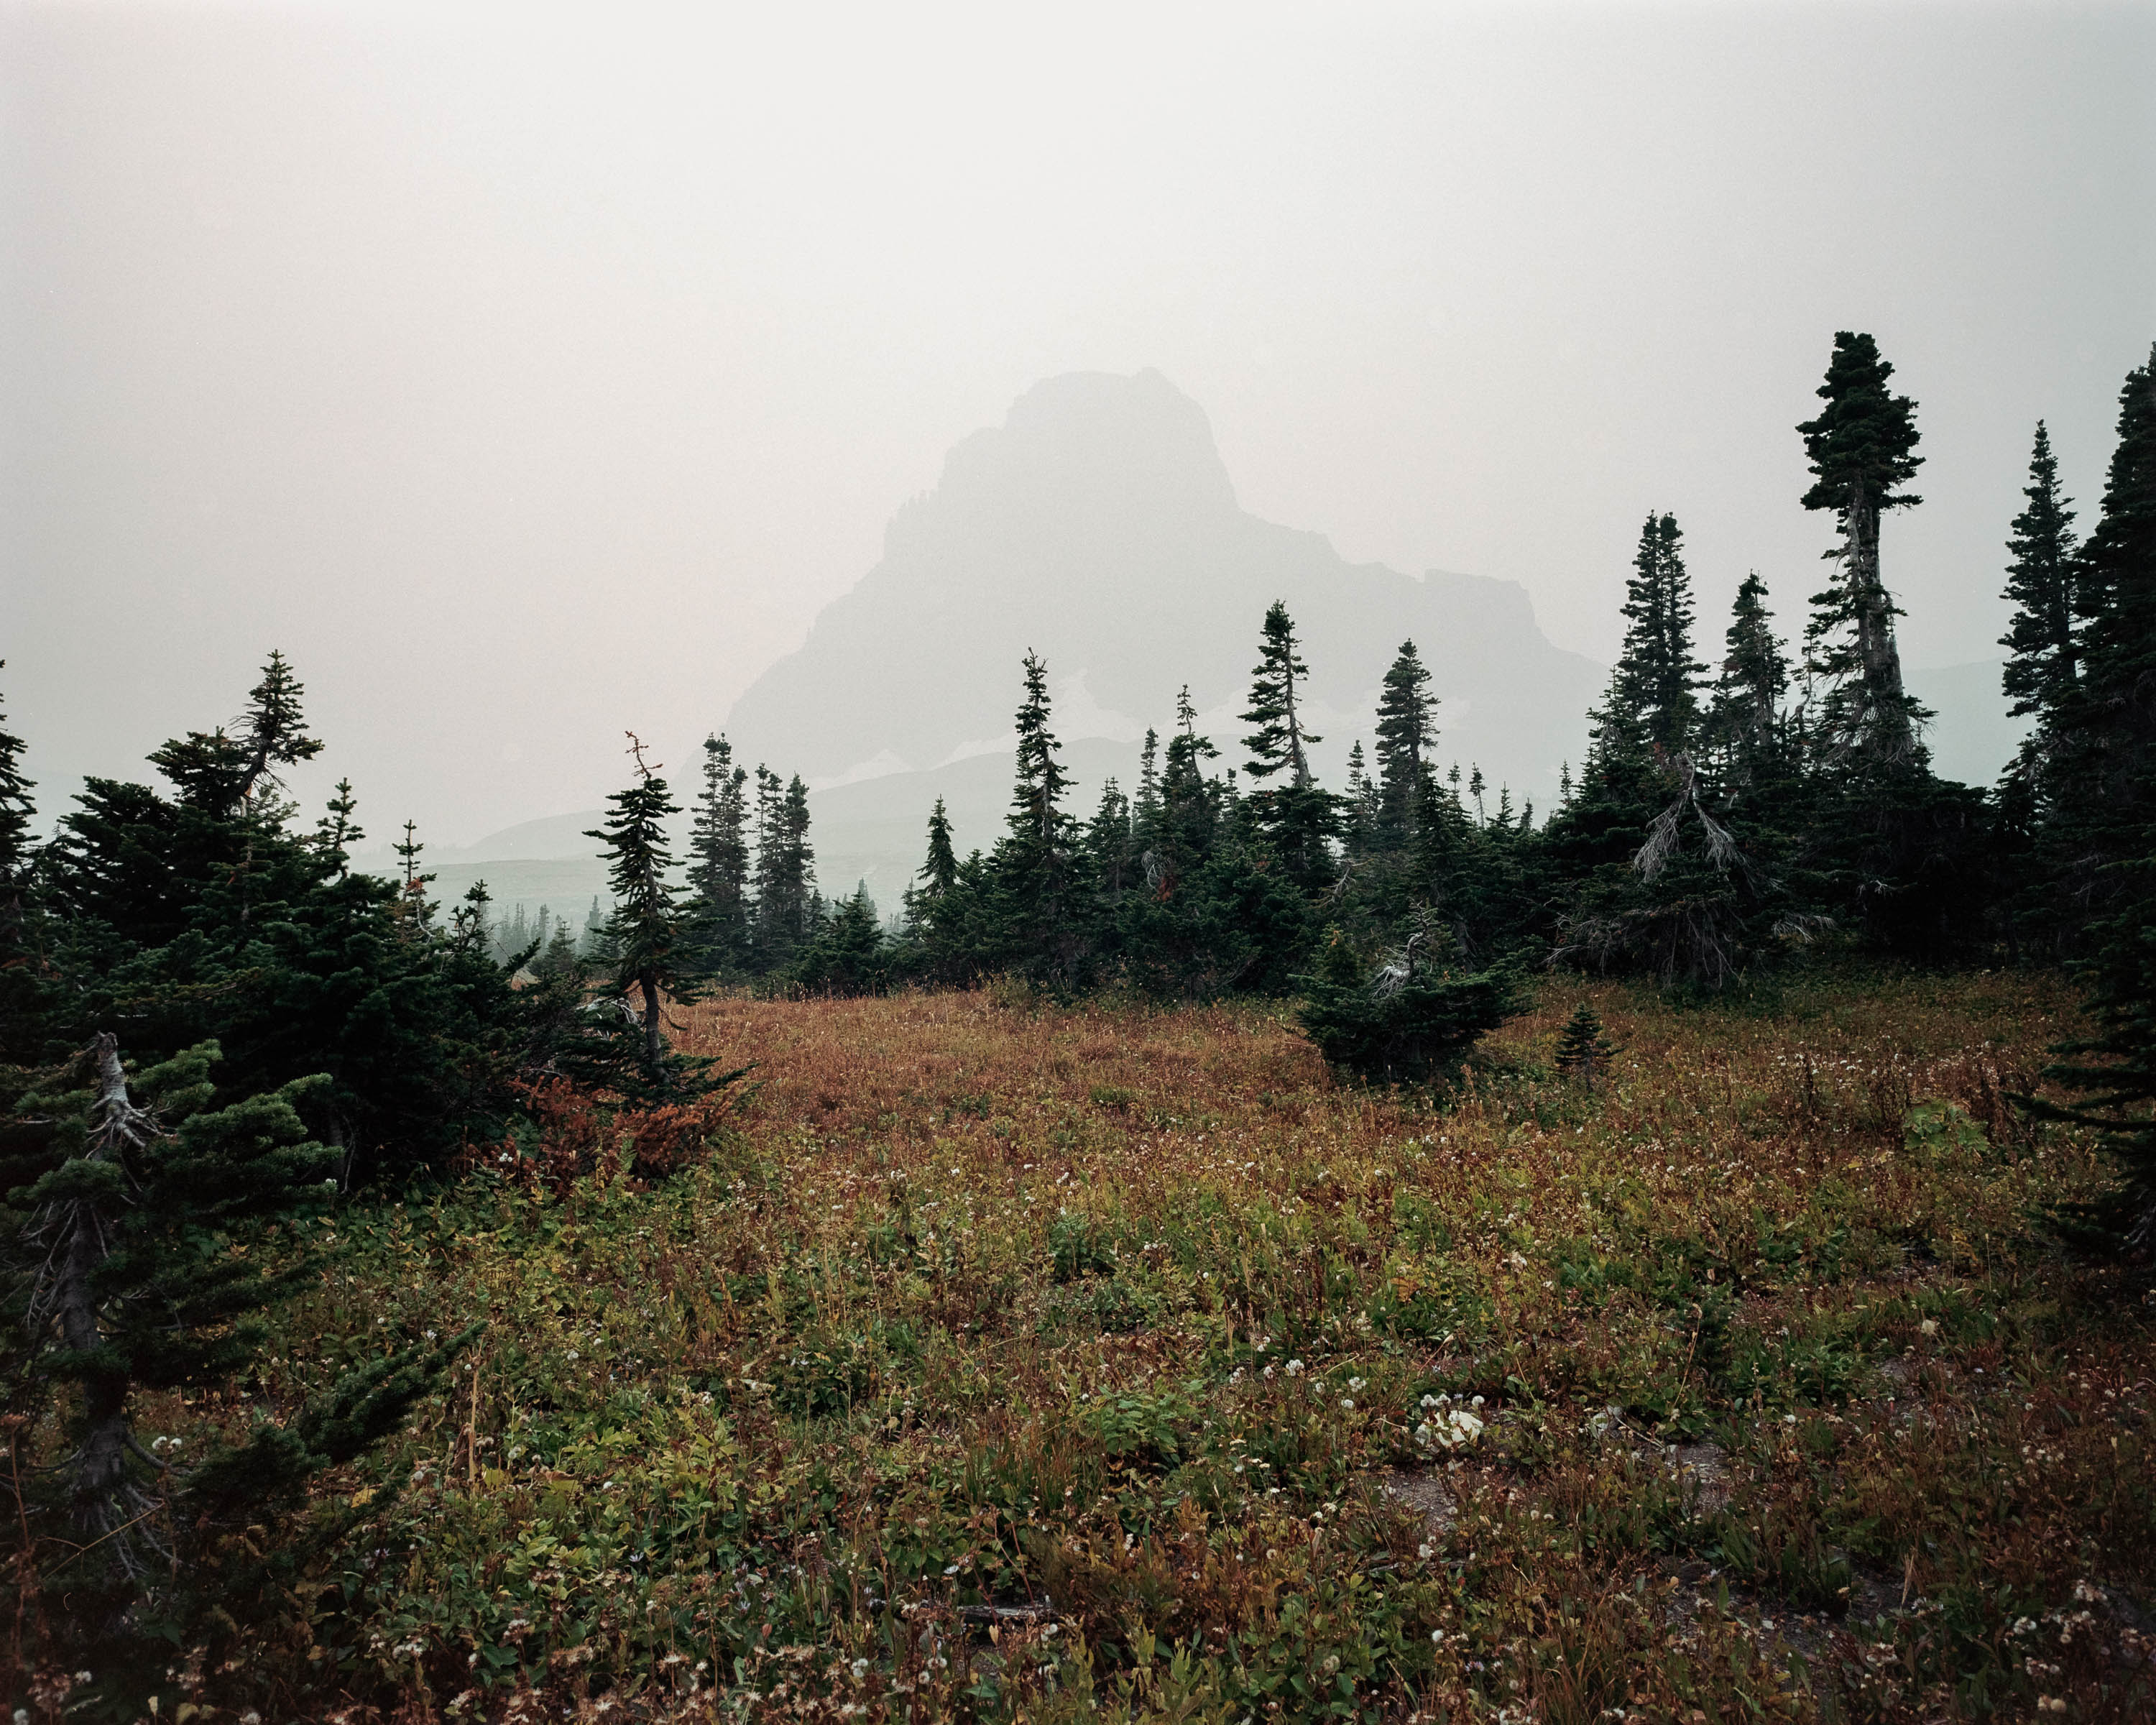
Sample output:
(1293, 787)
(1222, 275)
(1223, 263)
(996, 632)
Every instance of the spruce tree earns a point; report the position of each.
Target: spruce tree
(1744, 721)
(1042, 929)
(2104, 841)
(133, 1229)
(2042, 641)
(1657, 680)
(273, 730)
(939, 871)
(1861, 449)
(1108, 839)
(645, 948)
(1190, 802)
(785, 869)
(1293, 816)
(719, 864)
(1407, 732)
(1581, 1049)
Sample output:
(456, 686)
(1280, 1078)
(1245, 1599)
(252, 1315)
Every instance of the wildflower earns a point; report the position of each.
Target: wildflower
(1355, 1382)
(1426, 1549)
(1929, 1327)
(1295, 1368)
(1348, 1403)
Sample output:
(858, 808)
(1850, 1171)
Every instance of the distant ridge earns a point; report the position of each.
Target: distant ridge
(1098, 528)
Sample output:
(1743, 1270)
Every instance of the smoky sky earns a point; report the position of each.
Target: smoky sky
(531, 374)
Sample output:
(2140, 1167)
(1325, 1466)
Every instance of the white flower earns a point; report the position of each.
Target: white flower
(1356, 1382)
(1295, 1368)
(1429, 1401)
(1426, 1549)
(1929, 1327)
(1348, 1403)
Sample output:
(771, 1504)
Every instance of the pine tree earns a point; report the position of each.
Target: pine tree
(1655, 692)
(273, 730)
(719, 864)
(1361, 810)
(1294, 817)
(645, 945)
(1582, 1050)
(1145, 806)
(2043, 644)
(939, 872)
(1860, 449)
(1407, 732)
(594, 931)
(1108, 839)
(1042, 931)
(2104, 839)
(785, 869)
(1745, 720)
(1190, 803)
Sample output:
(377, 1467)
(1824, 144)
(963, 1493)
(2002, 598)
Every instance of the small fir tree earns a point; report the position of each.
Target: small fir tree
(1582, 1050)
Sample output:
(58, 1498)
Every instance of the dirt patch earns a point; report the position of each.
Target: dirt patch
(1425, 1492)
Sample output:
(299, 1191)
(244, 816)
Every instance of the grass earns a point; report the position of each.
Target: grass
(1015, 1360)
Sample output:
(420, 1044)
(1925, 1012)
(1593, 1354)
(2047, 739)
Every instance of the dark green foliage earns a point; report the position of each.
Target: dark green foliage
(1746, 731)
(1581, 1049)
(846, 954)
(719, 937)
(145, 1242)
(1288, 811)
(1411, 1021)
(2042, 666)
(645, 950)
(2101, 849)
(1861, 449)
(785, 869)
(1655, 692)
(1407, 732)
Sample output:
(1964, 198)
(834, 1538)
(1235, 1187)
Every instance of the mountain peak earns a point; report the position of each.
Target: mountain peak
(1098, 526)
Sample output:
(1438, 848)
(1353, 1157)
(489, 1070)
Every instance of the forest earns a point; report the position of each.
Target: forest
(737, 1300)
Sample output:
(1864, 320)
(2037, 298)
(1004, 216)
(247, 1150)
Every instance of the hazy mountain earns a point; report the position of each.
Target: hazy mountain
(1098, 528)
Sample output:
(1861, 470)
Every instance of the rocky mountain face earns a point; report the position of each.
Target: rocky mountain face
(1098, 528)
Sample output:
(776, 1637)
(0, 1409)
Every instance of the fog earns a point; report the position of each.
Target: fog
(530, 375)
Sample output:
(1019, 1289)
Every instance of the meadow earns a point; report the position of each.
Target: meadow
(1001, 1358)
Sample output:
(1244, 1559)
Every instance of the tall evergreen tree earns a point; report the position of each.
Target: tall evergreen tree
(1108, 838)
(939, 873)
(785, 869)
(1407, 732)
(1190, 801)
(1292, 816)
(1657, 680)
(2043, 642)
(1861, 449)
(2104, 842)
(1043, 930)
(645, 951)
(719, 864)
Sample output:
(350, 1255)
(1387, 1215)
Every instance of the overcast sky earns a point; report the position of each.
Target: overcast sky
(528, 374)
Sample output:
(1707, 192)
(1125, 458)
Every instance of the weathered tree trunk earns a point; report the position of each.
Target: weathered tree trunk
(1881, 729)
(99, 1485)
